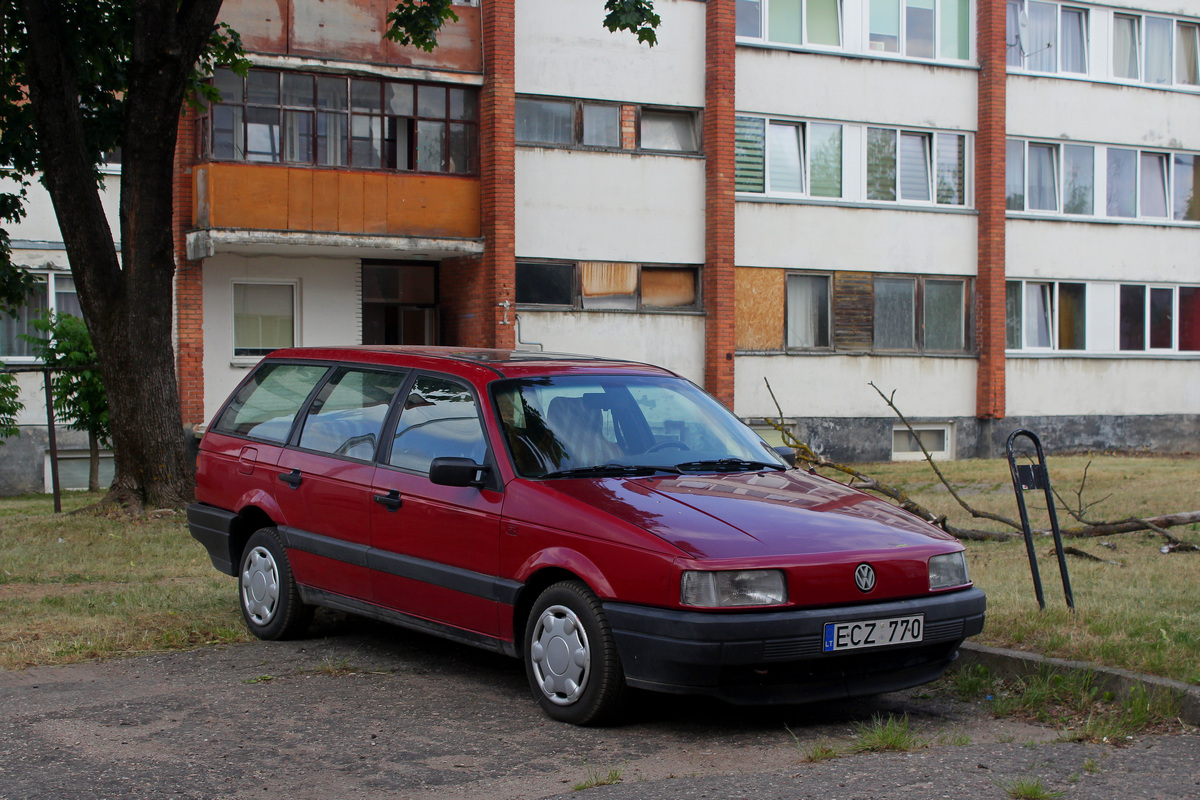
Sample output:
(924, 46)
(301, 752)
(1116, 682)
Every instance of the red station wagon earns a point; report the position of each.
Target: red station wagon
(607, 522)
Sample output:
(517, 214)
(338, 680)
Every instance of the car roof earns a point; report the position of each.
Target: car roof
(499, 362)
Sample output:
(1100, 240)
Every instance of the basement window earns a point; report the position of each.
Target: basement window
(938, 439)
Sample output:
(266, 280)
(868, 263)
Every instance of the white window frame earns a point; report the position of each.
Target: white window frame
(1060, 8)
(1141, 41)
(106, 457)
(944, 454)
(294, 283)
(764, 16)
(903, 48)
(48, 280)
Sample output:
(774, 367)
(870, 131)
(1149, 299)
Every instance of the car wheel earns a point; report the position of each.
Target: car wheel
(270, 603)
(571, 659)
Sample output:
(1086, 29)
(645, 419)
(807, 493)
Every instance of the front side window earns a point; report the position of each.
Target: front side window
(808, 311)
(440, 419)
(264, 317)
(326, 120)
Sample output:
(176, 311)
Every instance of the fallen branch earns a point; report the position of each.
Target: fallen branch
(1075, 551)
(1132, 525)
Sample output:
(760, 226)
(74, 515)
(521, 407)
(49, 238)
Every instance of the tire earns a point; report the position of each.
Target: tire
(267, 592)
(571, 660)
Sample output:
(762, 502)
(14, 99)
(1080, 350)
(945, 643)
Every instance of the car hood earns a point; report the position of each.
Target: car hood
(755, 514)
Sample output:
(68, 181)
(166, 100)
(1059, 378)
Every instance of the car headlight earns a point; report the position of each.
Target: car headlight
(743, 587)
(948, 570)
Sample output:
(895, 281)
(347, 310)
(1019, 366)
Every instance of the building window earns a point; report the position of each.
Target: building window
(264, 317)
(1045, 316)
(791, 22)
(1147, 317)
(74, 469)
(937, 439)
(673, 131)
(808, 308)
(900, 166)
(1137, 184)
(607, 286)
(51, 292)
(911, 28)
(584, 124)
(1161, 51)
(325, 120)
(788, 158)
(920, 313)
(1054, 38)
(399, 303)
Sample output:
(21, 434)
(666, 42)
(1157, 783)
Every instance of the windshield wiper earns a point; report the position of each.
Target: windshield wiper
(728, 465)
(608, 471)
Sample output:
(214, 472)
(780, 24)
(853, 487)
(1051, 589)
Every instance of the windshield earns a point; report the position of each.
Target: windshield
(572, 425)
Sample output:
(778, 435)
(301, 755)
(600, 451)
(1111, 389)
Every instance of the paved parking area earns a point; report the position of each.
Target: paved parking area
(377, 712)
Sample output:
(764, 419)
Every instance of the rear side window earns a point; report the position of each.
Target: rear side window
(266, 406)
(346, 417)
(440, 418)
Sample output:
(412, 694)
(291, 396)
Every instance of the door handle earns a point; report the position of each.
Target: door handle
(391, 501)
(292, 478)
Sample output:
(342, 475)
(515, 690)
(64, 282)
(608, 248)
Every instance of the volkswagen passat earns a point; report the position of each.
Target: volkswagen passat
(606, 522)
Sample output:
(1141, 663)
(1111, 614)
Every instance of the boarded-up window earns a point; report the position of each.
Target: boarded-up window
(667, 287)
(608, 285)
(853, 311)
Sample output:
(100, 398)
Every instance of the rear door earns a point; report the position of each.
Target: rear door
(324, 477)
(435, 548)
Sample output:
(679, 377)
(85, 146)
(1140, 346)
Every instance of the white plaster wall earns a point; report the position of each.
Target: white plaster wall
(801, 236)
(836, 386)
(40, 224)
(1081, 386)
(1062, 250)
(563, 49)
(871, 90)
(330, 292)
(574, 204)
(1105, 113)
(674, 341)
(33, 395)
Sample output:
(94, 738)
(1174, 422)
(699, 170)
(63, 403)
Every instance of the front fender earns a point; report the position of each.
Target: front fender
(570, 560)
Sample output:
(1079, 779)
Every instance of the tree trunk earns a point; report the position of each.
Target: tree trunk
(93, 463)
(126, 303)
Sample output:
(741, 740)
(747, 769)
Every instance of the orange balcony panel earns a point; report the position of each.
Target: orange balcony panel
(282, 198)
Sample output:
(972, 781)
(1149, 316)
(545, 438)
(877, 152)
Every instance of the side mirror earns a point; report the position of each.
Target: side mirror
(787, 454)
(456, 471)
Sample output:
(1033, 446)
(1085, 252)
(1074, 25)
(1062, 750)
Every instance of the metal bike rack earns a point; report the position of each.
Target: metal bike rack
(1035, 476)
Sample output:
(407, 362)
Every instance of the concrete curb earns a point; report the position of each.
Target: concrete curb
(1019, 664)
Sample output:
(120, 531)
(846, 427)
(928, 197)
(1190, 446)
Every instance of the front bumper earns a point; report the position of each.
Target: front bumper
(776, 657)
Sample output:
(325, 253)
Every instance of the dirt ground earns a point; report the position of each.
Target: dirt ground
(377, 712)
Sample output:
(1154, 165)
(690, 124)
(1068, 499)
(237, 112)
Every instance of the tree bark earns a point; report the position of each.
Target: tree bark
(126, 303)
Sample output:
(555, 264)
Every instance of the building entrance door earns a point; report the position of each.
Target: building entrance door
(399, 302)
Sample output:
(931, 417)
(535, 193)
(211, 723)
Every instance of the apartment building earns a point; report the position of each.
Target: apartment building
(985, 208)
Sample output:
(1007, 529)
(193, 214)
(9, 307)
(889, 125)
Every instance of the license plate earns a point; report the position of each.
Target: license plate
(873, 633)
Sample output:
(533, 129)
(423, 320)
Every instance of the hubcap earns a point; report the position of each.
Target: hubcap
(260, 586)
(560, 655)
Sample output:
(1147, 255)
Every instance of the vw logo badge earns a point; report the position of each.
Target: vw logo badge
(864, 577)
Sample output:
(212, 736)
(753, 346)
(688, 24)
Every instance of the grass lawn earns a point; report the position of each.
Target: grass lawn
(76, 587)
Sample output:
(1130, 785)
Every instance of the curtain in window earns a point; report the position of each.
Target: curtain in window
(668, 130)
(297, 136)
(749, 152)
(783, 21)
(1012, 315)
(1079, 175)
(1038, 307)
(545, 121)
(808, 311)
(951, 169)
(1122, 190)
(1187, 54)
(1162, 318)
(944, 327)
(1125, 46)
(956, 29)
(1073, 57)
(1133, 318)
(66, 300)
(825, 159)
(601, 125)
(1072, 316)
(1187, 204)
(918, 28)
(331, 139)
(1014, 175)
(608, 285)
(1154, 184)
(13, 326)
(1012, 14)
(914, 166)
(895, 313)
(1043, 177)
(824, 22)
(1042, 38)
(1158, 50)
(881, 164)
(786, 158)
(749, 18)
(885, 26)
(229, 133)
(263, 317)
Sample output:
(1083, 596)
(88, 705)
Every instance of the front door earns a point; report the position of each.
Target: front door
(399, 302)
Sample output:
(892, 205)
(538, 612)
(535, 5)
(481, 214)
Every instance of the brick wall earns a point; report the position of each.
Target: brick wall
(989, 199)
(719, 203)
(189, 296)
